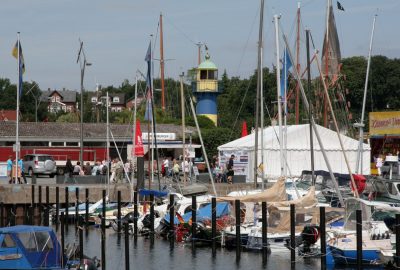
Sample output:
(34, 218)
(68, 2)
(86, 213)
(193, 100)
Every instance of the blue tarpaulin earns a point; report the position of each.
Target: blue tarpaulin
(146, 192)
(203, 213)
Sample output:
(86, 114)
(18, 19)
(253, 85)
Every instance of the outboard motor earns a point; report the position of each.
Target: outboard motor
(308, 237)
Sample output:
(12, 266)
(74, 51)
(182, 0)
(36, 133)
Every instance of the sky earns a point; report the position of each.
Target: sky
(116, 35)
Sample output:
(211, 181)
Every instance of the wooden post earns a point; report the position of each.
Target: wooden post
(152, 217)
(80, 228)
(66, 208)
(292, 235)
(87, 209)
(397, 231)
(214, 225)
(171, 220)
(238, 239)
(77, 208)
(135, 214)
(119, 211)
(62, 232)
(359, 238)
(322, 236)
(40, 205)
(194, 219)
(1, 214)
(264, 230)
(126, 226)
(103, 233)
(46, 212)
(57, 218)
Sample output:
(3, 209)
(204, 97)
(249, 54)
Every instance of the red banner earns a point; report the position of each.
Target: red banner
(139, 151)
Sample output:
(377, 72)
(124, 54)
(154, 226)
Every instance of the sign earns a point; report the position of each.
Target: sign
(138, 142)
(240, 162)
(3, 169)
(160, 136)
(384, 123)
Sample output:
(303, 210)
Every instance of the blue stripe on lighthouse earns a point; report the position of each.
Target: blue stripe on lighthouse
(206, 103)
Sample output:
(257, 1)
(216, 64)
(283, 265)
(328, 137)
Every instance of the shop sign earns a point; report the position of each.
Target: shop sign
(384, 123)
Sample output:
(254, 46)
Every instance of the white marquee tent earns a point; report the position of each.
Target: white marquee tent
(298, 152)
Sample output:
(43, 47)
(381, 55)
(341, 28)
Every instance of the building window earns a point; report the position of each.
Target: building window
(203, 74)
(53, 99)
(115, 99)
(94, 99)
(57, 99)
(212, 74)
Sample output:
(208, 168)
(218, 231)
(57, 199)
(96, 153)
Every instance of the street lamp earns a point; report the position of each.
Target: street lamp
(83, 63)
(37, 100)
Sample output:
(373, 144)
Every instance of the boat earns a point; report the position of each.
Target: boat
(36, 247)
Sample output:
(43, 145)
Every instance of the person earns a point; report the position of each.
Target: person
(113, 168)
(165, 167)
(119, 170)
(256, 209)
(229, 167)
(378, 163)
(96, 168)
(186, 167)
(128, 167)
(21, 167)
(69, 170)
(9, 169)
(175, 170)
(78, 169)
(87, 169)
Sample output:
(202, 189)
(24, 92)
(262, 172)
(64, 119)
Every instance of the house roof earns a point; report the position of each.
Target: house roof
(67, 96)
(54, 131)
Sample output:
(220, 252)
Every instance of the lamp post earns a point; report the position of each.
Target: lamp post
(37, 100)
(83, 63)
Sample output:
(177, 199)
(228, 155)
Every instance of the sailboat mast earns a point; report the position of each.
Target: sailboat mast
(17, 116)
(328, 9)
(260, 86)
(361, 125)
(278, 90)
(297, 105)
(134, 127)
(108, 143)
(310, 106)
(183, 130)
(162, 64)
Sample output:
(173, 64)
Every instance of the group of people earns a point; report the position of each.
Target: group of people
(171, 168)
(223, 173)
(15, 172)
(116, 171)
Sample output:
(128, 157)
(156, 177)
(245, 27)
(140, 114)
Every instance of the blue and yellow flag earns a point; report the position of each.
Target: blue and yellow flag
(21, 64)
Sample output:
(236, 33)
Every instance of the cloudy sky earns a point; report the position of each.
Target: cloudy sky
(116, 35)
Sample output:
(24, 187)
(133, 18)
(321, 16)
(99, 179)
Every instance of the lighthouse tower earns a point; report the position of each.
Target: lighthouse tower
(205, 88)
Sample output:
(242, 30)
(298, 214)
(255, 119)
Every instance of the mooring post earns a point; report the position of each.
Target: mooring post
(359, 238)
(32, 213)
(87, 208)
(57, 207)
(103, 233)
(14, 213)
(194, 218)
(397, 231)
(62, 232)
(214, 226)
(119, 211)
(292, 235)
(46, 212)
(171, 220)
(1, 214)
(77, 208)
(152, 217)
(80, 228)
(264, 230)
(135, 215)
(126, 226)
(322, 237)
(238, 238)
(40, 205)
(66, 216)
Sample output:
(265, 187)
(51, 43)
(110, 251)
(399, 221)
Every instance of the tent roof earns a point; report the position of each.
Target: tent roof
(298, 138)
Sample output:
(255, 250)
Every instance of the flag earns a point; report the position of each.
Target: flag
(21, 64)
(138, 142)
(244, 129)
(339, 6)
(180, 218)
(148, 115)
(287, 64)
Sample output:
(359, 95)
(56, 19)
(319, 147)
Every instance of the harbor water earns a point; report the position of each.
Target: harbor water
(159, 255)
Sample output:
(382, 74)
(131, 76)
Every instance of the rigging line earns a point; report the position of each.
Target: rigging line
(179, 30)
(247, 42)
(240, 109)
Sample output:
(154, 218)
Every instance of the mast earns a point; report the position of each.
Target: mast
(134, 128)
(326, 77)
(183, 129)
(108, 145)
(260, 31)
(199, 53)
(310, 106)
(17, 148)
(279, 95)
(260, 86)
(297, 105)
(162, 65)
(361, 124)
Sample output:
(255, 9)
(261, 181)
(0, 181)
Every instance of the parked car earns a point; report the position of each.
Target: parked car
(40, 164)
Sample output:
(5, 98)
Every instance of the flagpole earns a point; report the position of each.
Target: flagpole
(134, 131)
(17, 127)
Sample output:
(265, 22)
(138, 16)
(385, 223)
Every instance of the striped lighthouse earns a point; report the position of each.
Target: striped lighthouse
(205, 88)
